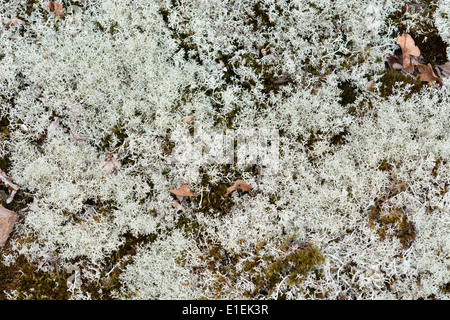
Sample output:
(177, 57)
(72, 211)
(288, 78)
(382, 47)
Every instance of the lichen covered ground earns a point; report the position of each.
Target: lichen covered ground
(341, 162)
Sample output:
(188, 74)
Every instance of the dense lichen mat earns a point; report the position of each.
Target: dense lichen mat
(219, 149)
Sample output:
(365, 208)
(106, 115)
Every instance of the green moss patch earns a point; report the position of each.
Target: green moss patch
(392, 79)
(32, 283)
(392, 222)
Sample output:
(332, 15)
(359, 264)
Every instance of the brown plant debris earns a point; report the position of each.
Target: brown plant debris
(55, 125)
(111, 164)
(409, 50)
(7, 220)
(410, 57)
(183, 191)
(395, 61)
(177, 205)
(13, 188)
(14, 21)
(427, 74)
(239, 184)
(76, 138)
(443, 70)
(189, 119)
(392, 221)
(370, 85)
(57, 8)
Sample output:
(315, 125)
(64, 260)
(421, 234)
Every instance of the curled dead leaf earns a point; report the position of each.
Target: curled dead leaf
(265, 50)
(408, 46)
(189, 119)
(183, 191)
(24, 128)
(14, 21)
(370, 85)
(222, 66)
(55, 125)
(76, 138)
(111, 164)
(409, 51)
(395, 61)
(12, 188)
(7, 220)
(182, 194)
(239, 184)
(177, 205)
(282, 80)
(443, 70)
(427, 74)
(57, 8)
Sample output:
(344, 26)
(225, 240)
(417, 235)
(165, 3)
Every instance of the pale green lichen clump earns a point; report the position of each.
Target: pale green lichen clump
(349, 201)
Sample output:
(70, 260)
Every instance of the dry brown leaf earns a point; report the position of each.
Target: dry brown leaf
(7, 220)
(75, 137)
(24, 128)
(15, 21)
(395, 62)
(239, 184)
(395, 59)
(189, 119)
(427, 74)
(265, 50)
(183, 191)
(397, 66)
(407, 65)
(408, 46)
(178, 206)
(55, 125)
(111, 164)
(443, 70)
(222, 66)
(13, 188)
(409, 51)
(56, 7)
(370, 85)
